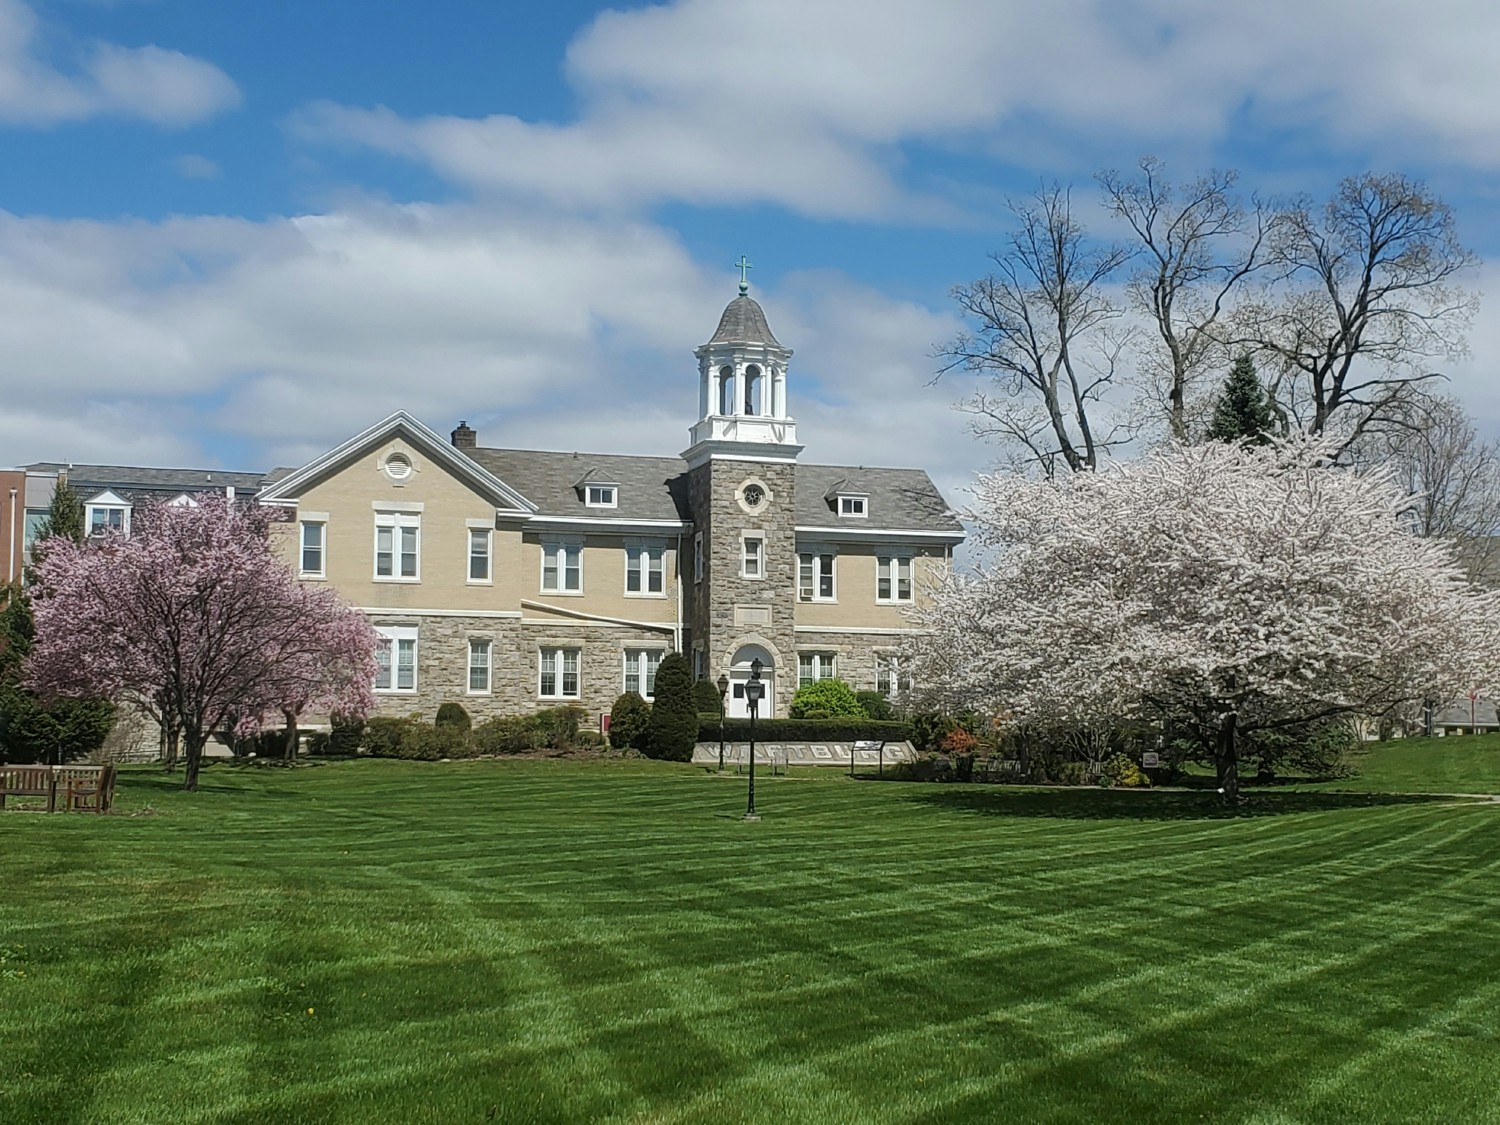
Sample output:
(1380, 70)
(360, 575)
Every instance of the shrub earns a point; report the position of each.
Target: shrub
(1122, 771)
(875, 706)
(706, 697)
(825, 699)
(806, 730)
(673, 729)
(590, 740)
(383, 737)
(559, 725)
(344, 735)
(513, 734)
(958, 741)
(928, 730)
(414, 740)
(628, 720)
(453, 715)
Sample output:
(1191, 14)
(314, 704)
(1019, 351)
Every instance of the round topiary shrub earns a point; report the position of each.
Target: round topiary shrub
(673, 729)
(453, 715)
(706, 697)
(628, 720)
(825, 699)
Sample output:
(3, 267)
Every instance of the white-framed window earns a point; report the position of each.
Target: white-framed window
(314, 540)
(815, 666)
(557, 674)
(892, 675)
(562, 568)
(479, 665)
(698, 663)
(396, 658)
(398, 543)
(854, 506)
(753, 556)
(893, 578)
(698, 557)
(815, 576)
(601, 495)
(645, 570)
(640, 670)
(109, 517)
(479, 554)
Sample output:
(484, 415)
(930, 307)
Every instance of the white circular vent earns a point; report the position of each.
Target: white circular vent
(398, 466)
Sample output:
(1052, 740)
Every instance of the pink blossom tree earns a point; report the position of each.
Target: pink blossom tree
(1236, 589)
(195, 620)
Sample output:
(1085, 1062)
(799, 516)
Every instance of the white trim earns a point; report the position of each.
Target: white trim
(561, 589)
(558, 670)
(864, 505)
(895, 556)
(489, 666)
(303, 523)
(598, 618)
(489, 555)
(865, 631)
(393, 611)
(860, 533)
(419, 434)
(396, 506)
(646, 550)
(590, 487)
(397, 522)
(109, 498)
(312, 517)
(543, 522)
(759, 536)
(396, 634)
(480, 525)
(818, 552)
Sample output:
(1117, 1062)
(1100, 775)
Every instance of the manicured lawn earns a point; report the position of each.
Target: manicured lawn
(1455, 764)
(383, 942)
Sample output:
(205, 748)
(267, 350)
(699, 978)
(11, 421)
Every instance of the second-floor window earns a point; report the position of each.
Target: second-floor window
(893, 578)
(698, 557)
(815, 576)
(314, 539)
(479, 554)
(892, 676)
(645, 570)
(562, 568)
(753, 556)
(398, 540)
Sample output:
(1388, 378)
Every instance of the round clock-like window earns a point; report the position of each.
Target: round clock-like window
(753, 494)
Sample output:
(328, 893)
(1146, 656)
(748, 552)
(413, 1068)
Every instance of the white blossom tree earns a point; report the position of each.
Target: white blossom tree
(1235, 588)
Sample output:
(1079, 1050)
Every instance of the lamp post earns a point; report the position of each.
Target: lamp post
(723, 686)
(754, 689)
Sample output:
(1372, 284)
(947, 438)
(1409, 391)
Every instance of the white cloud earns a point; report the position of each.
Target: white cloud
(807, 104)
(104, 79)
(192, 166)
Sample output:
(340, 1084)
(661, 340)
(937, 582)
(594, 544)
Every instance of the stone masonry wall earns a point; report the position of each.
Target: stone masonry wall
(443, 664)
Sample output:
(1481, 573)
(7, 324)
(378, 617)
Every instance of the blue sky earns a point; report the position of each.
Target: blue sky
(230, 235)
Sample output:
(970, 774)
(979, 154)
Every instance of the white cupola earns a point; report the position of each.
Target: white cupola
(742, 387)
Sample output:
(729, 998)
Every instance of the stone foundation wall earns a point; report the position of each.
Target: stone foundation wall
(443, 664)
(856, 654)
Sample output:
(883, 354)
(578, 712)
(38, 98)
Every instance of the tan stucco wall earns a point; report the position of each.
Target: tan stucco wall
(855, 585)
(604, 594)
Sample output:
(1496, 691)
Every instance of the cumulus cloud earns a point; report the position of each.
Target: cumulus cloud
(797, 103)
(104, 79)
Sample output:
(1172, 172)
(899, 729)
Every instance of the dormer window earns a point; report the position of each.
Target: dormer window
(856, 506)
(108, 512)
(602, 495)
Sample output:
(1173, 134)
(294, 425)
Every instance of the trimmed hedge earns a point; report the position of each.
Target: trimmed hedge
(671, 731)
(806, 730)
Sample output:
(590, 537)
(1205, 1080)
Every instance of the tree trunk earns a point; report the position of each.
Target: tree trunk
(1226, 759)
(193, 744)
(289, 752)
(170, 739)
(1023, 752)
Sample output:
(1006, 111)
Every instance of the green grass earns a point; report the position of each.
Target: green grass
(549, 941)
(1455, 764)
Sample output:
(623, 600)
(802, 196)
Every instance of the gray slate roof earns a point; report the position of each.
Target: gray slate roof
(743, 322)
(136, 484)
(655, 488)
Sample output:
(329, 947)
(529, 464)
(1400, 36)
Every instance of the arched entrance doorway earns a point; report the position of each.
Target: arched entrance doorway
(739, 675)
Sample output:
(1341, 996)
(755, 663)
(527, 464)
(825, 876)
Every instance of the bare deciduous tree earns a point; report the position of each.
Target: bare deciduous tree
(1046, 333)
(1366, 293)
(1197, 244)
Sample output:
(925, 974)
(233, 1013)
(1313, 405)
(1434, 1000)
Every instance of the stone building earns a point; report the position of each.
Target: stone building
(511, 580)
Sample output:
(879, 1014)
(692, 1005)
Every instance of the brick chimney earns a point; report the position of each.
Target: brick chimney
(464, 438)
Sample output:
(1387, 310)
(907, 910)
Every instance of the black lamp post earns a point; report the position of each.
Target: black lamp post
(754, 689)
(723, 686)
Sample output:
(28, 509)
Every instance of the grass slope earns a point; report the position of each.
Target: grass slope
(548, 941)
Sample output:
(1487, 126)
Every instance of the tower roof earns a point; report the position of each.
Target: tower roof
(744, 322)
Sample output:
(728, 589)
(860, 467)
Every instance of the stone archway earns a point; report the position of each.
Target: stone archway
(739, 675)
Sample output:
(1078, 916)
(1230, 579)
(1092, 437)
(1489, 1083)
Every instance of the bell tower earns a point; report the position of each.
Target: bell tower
(741, 577)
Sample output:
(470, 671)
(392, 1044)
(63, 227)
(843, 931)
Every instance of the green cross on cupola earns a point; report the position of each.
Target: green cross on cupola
(743, 265)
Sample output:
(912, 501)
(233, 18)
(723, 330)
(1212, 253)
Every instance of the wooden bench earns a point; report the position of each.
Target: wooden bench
(84, 788)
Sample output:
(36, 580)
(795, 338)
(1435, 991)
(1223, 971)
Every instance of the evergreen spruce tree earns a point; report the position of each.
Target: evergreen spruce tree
(30, 730)
(1243, 412)
(65, 514)
(673, 729)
